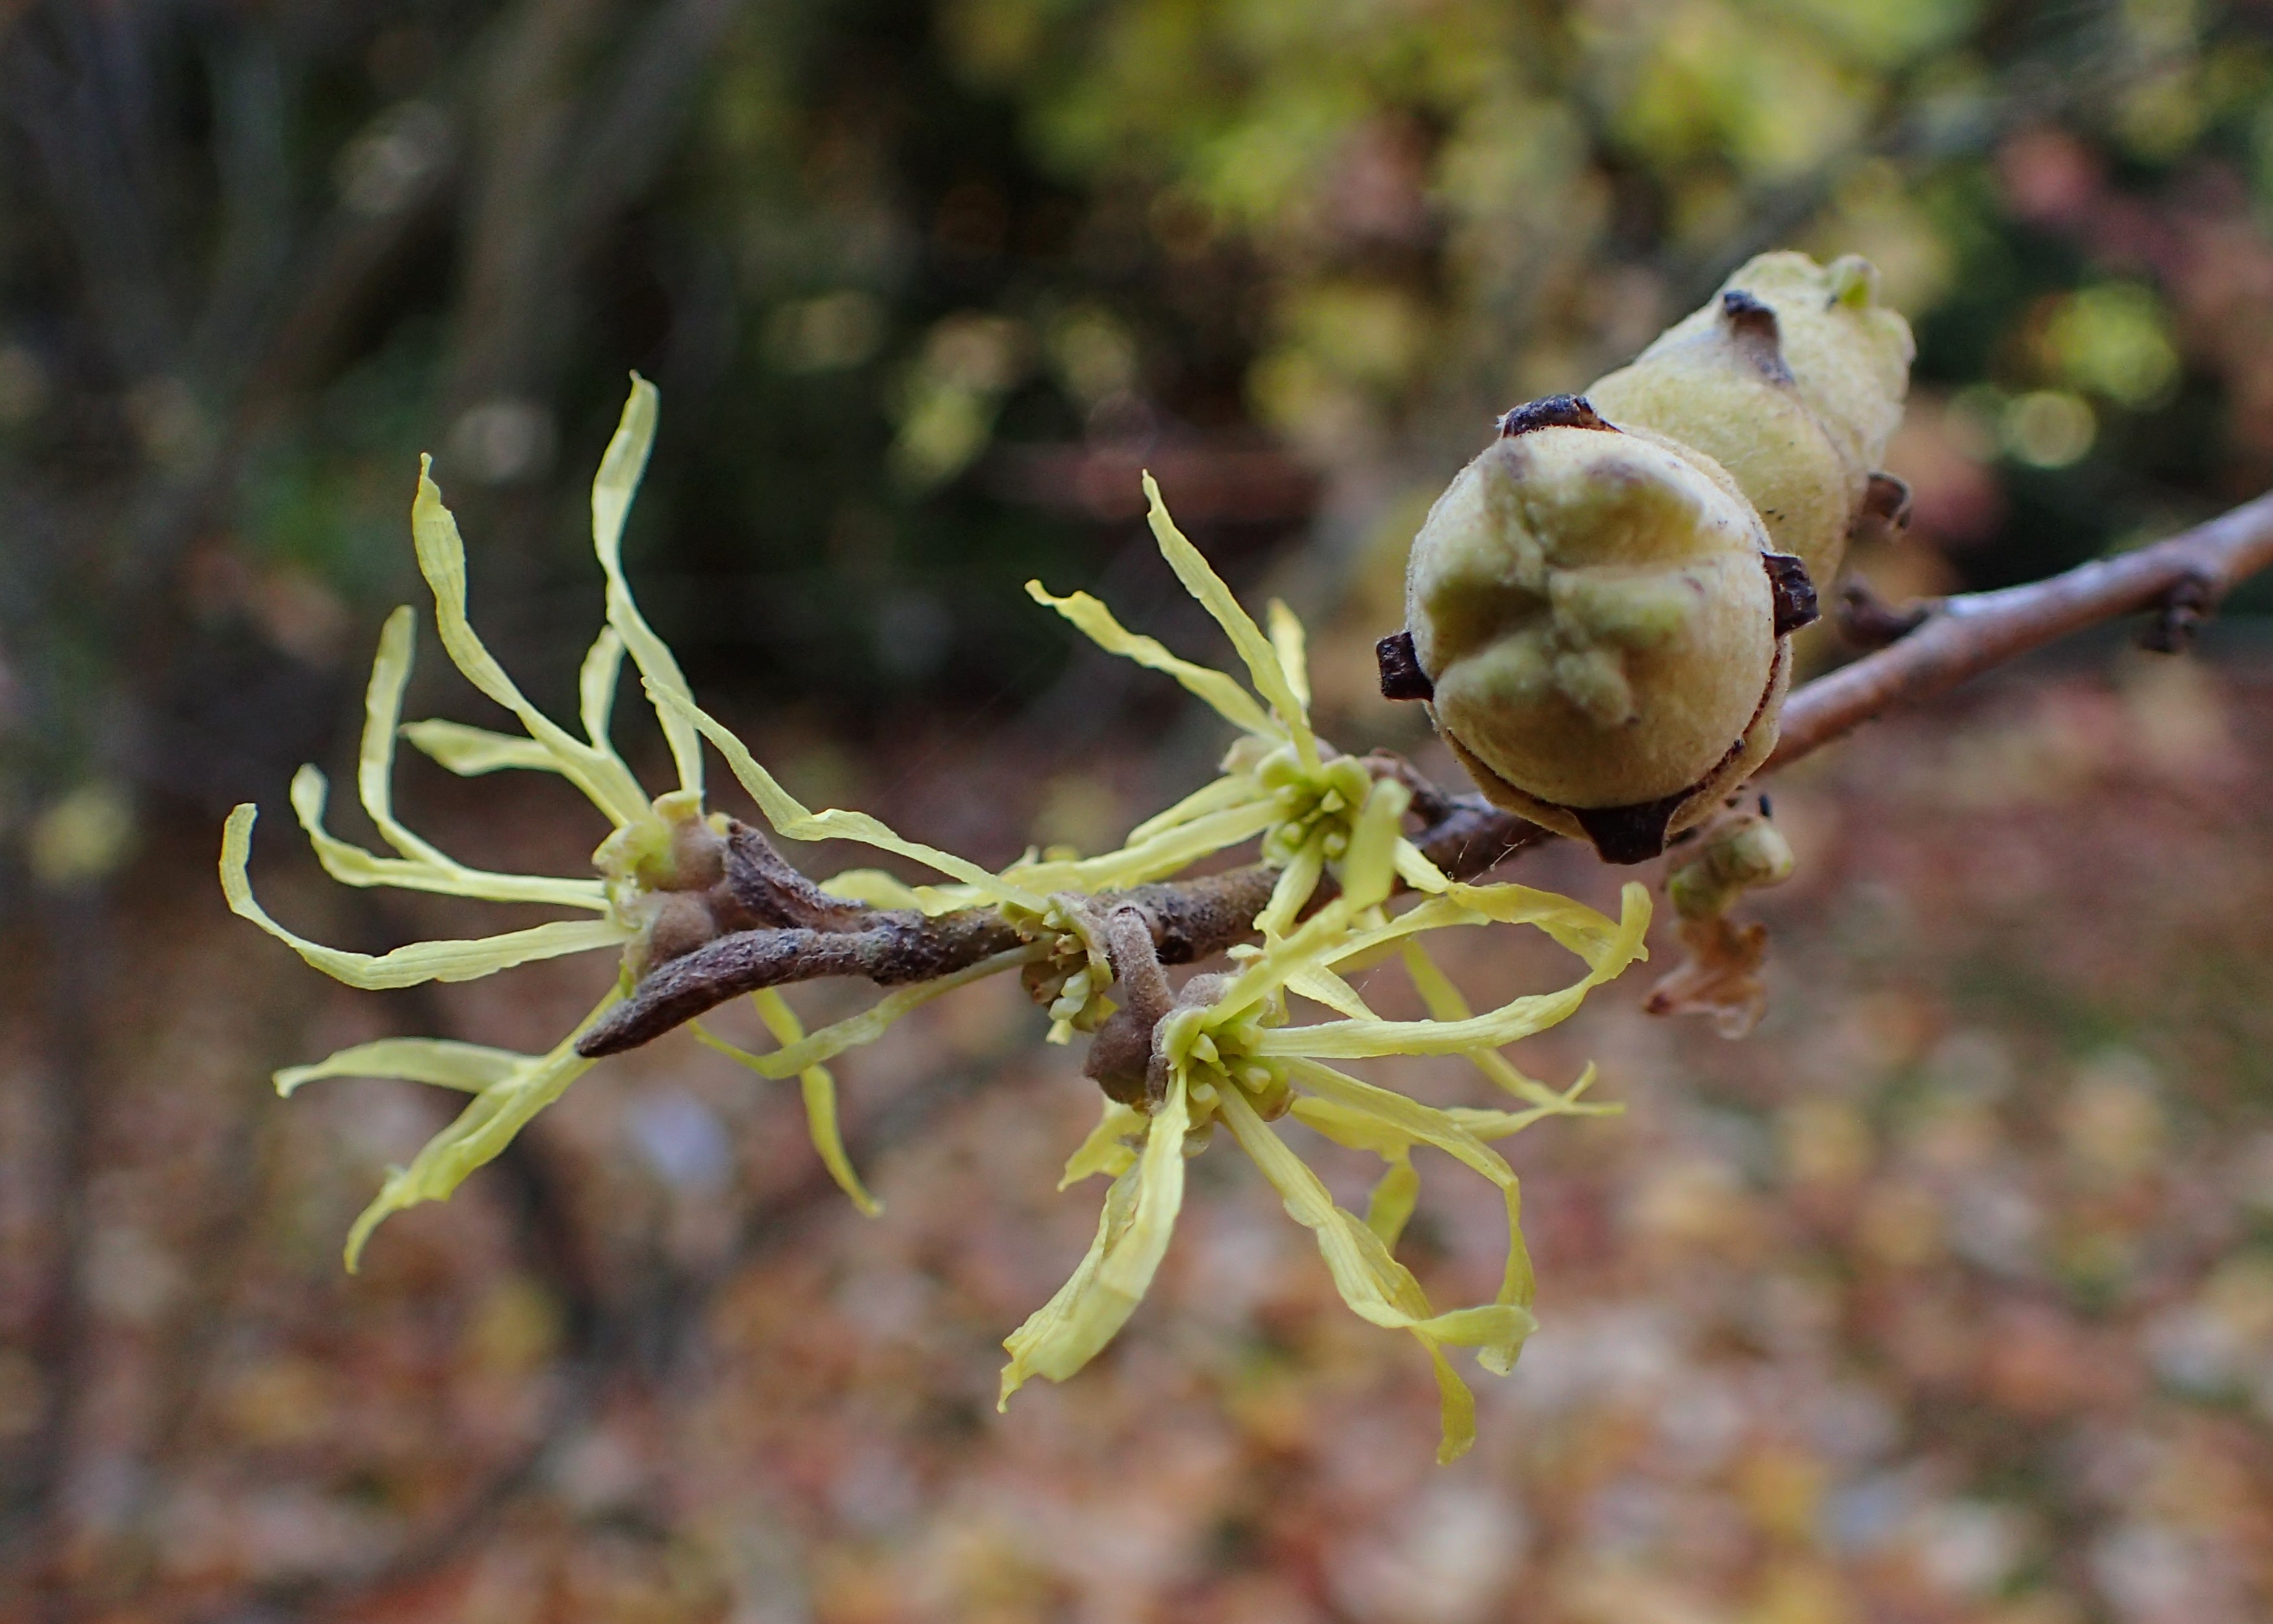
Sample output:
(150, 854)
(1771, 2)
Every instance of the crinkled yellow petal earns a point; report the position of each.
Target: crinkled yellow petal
(1170, 852)
(1354, 1129)
(1368, 869)
(1050, 1329)
(1211, 687)
(1129, 1268)
(1389, 1209)
(1287, 642)
(1360, 1127)
(486, 1126)
(421, 961)
(1518, 1286)
(1104, 1150)
(470, 1066)
(1424, 1124)
(1456, 1415)
(1374, 1286)
(1390, 1204)
(1445, 1003)
(599, 773)
(1296, 883)
(471, 751)
(820, 1090)
(1493, 1124)
(873, 886)
(351, 865)
(382, 712)
(1132, 1236)
(1326, 937)
(1518, 1018)
(1321, 985)
(1228, 790)
(612, 490)
(1262, 660)
(789, 817)
(596, 680)
(870, 1024)
(1414, 869)
(1572, 925)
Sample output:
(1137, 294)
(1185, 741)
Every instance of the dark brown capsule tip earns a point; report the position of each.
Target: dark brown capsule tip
(1401, 676)
(1555, 411)
(1753, 326)
(1630, 834)
(1792, 592)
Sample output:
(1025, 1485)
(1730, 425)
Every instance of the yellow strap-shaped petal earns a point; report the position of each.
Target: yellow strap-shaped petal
(1414, 869)
(351, 865)
(1572, 925)
(1325, 938)
(870, 1024)
(873, 886)
(1214, 689)
(1368, 869)
(1321, 985)
(421, 961)
(1494, 1125)
(1132, 1236)
(1262, 660)
(1287, 642)
(1169, 852)
(599, 773)
(1056, 1331)
(1456, 1410)
(817, 1089)
(382, 712)
(471, 751)
(612, 490)
(1430, 1126)
(1445, 1003)
(791, 818)
(1296, 883)
(596, 680)
(820, 1091)
(469, 1066)
(1104, 1150)
(1373, 1284)
(1354, 1129)
(1395, 1116)
(1226, 790)
(1518, 1018)
(485, 1127)
(1425, 1124)
(1389, 1206)
(1380, 1290)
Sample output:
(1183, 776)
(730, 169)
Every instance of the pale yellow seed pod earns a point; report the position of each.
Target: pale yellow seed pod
(1592, 616)
(1792, 378)
(1599, 607)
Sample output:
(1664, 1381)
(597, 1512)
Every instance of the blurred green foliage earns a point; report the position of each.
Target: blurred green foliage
(924, 285)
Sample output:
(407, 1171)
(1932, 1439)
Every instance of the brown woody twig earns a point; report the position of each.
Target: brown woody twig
(1947, 642)
(2183, 577)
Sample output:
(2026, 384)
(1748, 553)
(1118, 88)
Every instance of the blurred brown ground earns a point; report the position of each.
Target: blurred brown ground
(1945, 1297)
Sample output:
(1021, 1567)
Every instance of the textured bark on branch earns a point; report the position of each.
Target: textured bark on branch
(1192, 920)
(2182, 578)
(807, 936)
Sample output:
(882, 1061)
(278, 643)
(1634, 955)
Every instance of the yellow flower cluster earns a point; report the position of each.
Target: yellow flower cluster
(1234, 1055)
